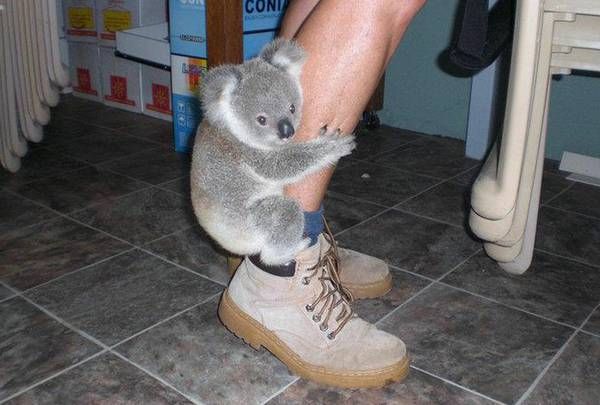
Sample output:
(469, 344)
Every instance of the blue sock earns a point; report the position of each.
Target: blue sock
(313, 224)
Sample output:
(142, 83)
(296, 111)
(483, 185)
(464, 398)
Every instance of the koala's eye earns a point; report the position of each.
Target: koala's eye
(262, 120)
(292, 108)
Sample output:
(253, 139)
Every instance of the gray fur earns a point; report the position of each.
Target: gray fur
(239, 167)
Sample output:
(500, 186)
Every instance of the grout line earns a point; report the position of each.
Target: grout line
(405, 211)
(412, 273)
(52, 376)
(155, 376)
(281, 390)
(571, 212)
(554, 359)
(132, 245)
(569, 258)
(175, 315)
(479, 394)
(87, 266)
(570, 186)
(181, 267)
(383, 318)
(587, 332)
(392, 207)
(433, 282)
(495, 301)
(65, 323)
(362, 222)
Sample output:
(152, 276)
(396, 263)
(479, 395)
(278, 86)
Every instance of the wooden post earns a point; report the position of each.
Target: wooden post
(224, 32)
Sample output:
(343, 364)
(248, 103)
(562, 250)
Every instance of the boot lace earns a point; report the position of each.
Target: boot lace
(333, 294)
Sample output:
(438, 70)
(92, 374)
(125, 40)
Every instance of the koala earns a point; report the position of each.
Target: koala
(244, 154)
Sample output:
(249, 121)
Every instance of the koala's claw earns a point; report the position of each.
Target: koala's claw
(339, 145)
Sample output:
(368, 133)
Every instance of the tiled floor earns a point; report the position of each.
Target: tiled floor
(108, 288)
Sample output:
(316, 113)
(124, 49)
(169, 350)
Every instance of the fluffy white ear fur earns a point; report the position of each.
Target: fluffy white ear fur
(286, 55)
(219, 84)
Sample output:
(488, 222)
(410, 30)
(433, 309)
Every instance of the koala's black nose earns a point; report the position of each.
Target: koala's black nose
(285, 128)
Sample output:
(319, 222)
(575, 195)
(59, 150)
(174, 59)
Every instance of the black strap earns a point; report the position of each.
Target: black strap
(484, 33)
(283, 270)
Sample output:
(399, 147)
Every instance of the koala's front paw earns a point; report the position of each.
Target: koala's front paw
(339, 145)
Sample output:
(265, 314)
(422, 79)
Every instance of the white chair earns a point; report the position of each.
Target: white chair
(551, 37)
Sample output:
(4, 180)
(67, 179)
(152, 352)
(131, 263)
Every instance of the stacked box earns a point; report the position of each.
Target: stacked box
(119, 15)
(120, 81)
(80, 20)
(261, 19)
(84, 70)
(156, 93)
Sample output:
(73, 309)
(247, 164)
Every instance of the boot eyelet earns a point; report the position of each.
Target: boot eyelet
(309, 308)
(316, 318)
(323, 327)
(305, 281)
(330, 336)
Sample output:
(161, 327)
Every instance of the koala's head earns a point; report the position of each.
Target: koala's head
(259, 101)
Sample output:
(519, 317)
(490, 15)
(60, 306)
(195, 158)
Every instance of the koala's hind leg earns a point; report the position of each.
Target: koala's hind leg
(280, 222)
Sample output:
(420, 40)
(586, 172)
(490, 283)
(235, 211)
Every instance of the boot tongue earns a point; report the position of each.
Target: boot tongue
(309, 256)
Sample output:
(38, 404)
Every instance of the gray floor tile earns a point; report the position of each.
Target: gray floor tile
(5, 293)
(193, 249)
(593, 324)
(575, 376)
(17, 212)
(448, 202)
(552, 185)
(405, 286)
(411, 243)
(37, 254)
(180, 185)
(433, 156)
(79, 188)
(342, 212)
(33, 346)
(154, 130)
(152, 166)
(71, 106)
(37, 164)
(103, 380)
(478, 344)
(141, 217)
(197, 355)
(418, 388)
(119, 297)
(101, 147)
(580, 198)
(569, 234)
(553, 287)
(378, 184)
(66, 129)
(468, 177)
(108, 117)
(377, 141)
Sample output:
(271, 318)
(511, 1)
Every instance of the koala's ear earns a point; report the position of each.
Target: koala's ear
(284, 54)
(219, 83)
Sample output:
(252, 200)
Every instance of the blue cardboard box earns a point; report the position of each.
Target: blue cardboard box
(187, 32)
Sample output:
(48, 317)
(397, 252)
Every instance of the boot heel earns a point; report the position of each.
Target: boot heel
(233, 320)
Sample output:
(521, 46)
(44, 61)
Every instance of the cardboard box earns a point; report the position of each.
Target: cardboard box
(120, 81)
(84, 70)
(186, 76)
(187, 28)
(120, 15)
(261, 19)
(80, 20)
(156, 93)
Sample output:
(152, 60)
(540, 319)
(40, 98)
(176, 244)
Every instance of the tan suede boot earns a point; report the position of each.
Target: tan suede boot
(363, 275)
(306, 321)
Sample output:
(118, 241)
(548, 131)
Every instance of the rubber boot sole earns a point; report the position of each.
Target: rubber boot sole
(372, 290)
(247, 328)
